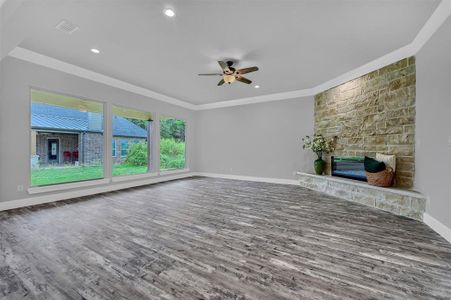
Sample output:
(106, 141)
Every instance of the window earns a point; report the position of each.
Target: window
(172, 143)
(131, 128)
(113, 148)
(66, 139)
(124, 148)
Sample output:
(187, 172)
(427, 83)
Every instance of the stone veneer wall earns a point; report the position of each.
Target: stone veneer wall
(373, 113)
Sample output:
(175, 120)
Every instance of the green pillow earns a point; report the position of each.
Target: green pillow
(372, 165)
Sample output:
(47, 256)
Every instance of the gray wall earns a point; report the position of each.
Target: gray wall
(17, 77)
(261, 140)
(433, 130)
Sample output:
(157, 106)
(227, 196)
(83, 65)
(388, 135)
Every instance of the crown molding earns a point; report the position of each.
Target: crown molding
(52, 63)
(438, 17)
(258, 99)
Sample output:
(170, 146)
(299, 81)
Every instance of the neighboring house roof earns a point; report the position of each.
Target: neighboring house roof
(123, 127)
(51, 117)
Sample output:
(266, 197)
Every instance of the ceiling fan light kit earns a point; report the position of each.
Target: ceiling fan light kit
(230, 74)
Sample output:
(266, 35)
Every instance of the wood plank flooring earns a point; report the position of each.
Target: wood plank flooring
(205, 238)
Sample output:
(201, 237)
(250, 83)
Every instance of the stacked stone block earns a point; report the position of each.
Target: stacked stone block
(403, 203)
(373, 113)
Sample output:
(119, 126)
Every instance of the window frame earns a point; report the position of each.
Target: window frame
(107, 160)
(32, 189)
(132, 140)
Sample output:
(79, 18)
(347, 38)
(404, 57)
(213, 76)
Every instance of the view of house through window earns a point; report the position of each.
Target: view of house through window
(130, 141)
(66, 139)
(172, 143)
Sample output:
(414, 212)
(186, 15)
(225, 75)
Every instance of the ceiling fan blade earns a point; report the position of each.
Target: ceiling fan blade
(221, 82)
(247, 70)
(210, 74)
(243, 80)
(224, 66)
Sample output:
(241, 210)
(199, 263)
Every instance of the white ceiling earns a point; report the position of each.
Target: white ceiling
(296, 44)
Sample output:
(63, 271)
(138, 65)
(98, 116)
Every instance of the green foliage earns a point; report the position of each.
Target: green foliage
(319, 144)
(172, 129)
(141, 123)
(172, 154)
(172, 147)
(137, 154)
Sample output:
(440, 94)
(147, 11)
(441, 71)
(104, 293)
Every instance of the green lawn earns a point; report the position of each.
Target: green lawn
(119, 170)
(54, 175)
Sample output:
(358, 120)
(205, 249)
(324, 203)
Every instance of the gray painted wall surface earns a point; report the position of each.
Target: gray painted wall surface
(17, 77)
(433, 130)
(261, 140)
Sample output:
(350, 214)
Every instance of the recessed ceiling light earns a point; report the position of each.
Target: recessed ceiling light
(94, 50)
(257, 86)
(169, 12)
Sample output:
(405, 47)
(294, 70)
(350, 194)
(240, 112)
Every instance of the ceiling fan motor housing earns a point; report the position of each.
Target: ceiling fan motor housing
(229, 78)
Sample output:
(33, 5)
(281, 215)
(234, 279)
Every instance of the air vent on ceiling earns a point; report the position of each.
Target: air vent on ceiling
(66, 27)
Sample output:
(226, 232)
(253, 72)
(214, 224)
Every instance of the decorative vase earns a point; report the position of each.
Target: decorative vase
(319, 165)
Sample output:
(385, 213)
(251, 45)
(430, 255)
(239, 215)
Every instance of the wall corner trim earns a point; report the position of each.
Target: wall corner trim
(437, 226)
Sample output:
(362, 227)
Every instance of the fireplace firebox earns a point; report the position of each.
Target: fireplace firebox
(348, 167)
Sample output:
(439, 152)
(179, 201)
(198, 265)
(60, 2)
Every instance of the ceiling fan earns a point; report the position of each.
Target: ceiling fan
(230, 74)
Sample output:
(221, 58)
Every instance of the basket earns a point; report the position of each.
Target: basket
(382, 178)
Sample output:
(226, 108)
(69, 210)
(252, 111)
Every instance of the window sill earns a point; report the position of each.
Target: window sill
(133, 177)
(66, 186)
(170, 172)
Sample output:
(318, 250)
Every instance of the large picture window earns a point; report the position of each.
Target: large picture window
(172, 143)
(66, 139)
(131, 132)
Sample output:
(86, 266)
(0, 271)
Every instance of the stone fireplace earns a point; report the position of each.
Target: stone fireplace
(373, 113)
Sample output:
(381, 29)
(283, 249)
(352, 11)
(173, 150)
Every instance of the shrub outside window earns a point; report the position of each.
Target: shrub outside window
(131, 131)
(172, 144)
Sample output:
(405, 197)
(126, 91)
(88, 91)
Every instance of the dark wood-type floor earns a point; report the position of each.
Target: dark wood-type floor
(205, 238)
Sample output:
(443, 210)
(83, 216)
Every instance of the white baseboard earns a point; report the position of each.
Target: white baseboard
(437, 226)
(86, 192)
(249, 178)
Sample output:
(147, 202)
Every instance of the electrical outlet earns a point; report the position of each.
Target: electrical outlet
(20, 188)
